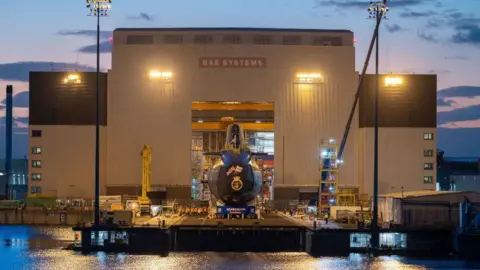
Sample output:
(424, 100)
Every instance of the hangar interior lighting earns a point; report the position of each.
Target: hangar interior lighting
(308, 78)
(72, 78)
(162, 75)
(393, 81)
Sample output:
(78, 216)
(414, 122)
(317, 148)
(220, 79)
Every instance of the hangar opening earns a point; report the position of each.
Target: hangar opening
(210, 122)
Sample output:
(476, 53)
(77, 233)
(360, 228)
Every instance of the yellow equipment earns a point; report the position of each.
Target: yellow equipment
(143, 200)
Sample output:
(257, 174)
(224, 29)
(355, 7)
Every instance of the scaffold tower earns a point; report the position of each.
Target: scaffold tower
(328, 175)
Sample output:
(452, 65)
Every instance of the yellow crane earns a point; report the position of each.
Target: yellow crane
(143, 200)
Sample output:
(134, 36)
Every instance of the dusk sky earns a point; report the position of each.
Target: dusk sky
(421, 36)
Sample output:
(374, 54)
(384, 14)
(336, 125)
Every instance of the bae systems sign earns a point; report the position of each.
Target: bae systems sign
(219, 62)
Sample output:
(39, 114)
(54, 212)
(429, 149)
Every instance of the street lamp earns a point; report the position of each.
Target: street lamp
(378, 11)
(99, 9)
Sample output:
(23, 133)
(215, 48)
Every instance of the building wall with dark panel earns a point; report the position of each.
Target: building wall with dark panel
(54, 102)
(411, 104)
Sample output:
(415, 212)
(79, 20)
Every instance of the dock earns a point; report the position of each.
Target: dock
(271, 233)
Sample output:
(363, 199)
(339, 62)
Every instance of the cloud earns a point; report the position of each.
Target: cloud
(456, 58)
(17, 121)
(364, 4)
(86, 33)
(457, 115)
(459, 91)
(142, 16)
(415, 14)
(105, 47)
(19, 71)
(467, 34)
(427, 37)
(20, 100)
(392, 28)
(466, 28)
(442, 102)
(439, 71)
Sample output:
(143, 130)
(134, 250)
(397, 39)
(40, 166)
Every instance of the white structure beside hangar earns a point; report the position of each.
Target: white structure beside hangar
(155, 76)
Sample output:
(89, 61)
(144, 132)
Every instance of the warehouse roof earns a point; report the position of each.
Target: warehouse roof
(240, 29)
(421, 193)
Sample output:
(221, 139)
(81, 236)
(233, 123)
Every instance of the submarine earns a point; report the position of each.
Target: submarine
(235, 180)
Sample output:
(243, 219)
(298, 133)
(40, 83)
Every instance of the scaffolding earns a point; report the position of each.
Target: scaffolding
(328, 175)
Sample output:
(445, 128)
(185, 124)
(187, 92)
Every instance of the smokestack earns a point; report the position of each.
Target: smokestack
(8, 137)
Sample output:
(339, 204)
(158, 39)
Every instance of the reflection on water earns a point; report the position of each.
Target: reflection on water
(23, 247)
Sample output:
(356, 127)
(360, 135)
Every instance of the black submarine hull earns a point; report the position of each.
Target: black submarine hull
(234, 181)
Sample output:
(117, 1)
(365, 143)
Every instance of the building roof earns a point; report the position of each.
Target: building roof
(421, 193)
(239, 29)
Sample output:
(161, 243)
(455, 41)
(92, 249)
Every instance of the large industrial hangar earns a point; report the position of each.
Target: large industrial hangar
(176, 89)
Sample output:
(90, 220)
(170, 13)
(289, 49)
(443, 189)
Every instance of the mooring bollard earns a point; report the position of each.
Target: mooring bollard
(314, 224)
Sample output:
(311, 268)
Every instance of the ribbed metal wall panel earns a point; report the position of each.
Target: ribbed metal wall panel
(160, 114)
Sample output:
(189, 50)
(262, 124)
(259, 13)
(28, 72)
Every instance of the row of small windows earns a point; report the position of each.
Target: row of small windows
(36, 150)
(35, 189)
(36, 176)
(235, 39)
(428, 153)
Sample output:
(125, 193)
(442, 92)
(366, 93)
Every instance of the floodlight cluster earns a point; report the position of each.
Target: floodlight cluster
(98, 7)
(377, 8)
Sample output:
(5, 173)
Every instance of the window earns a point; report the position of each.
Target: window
(232, 39)
(262, 40)
(35, 189)
(203, 39)
(428, 153)
(292, 40)
(36, 163)
(36, 176)
(428, 166)
(36, 133)
(428, 179)
(139, 39)
(428, 136)
(36, 150)
(173, 39)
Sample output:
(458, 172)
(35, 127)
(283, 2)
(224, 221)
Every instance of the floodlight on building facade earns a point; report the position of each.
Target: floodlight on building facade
(72, 79)
(309, 78)
(393, 81)
(159, 75)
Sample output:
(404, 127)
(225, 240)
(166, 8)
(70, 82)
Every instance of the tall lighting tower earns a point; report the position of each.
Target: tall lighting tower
(378, 10)
(98, 8)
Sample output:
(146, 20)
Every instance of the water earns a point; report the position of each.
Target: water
(24, 247)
